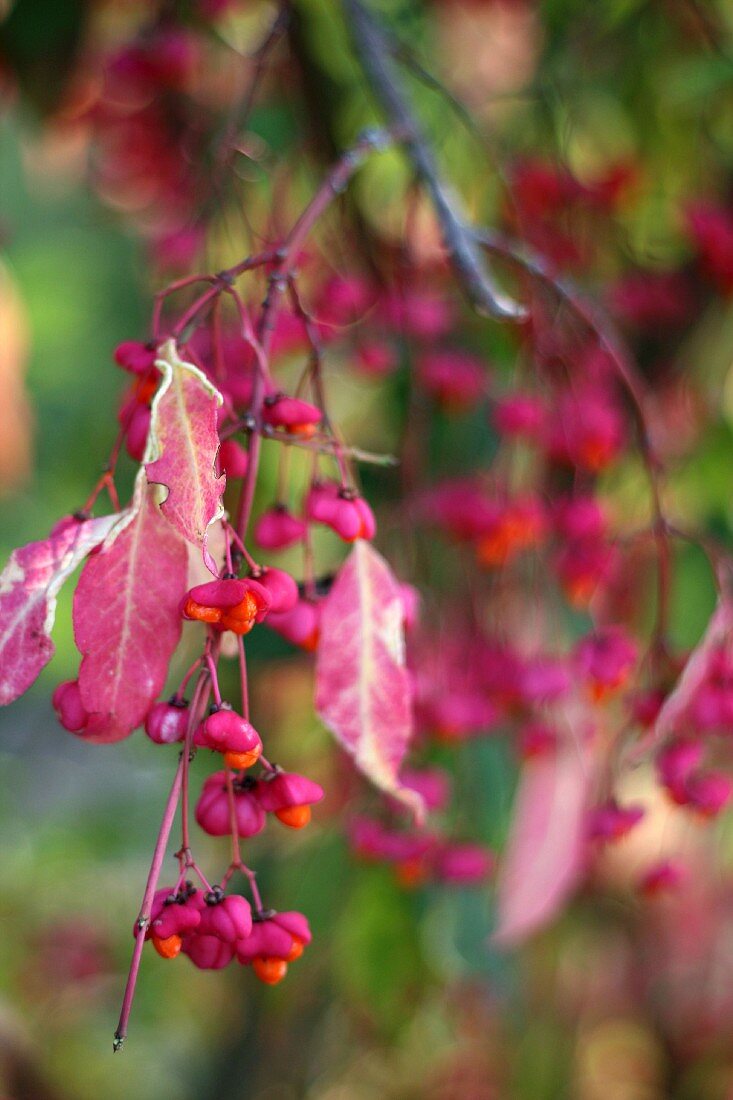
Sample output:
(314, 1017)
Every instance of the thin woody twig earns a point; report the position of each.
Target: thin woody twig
(373, 50)
(325, 446)
(372, 141)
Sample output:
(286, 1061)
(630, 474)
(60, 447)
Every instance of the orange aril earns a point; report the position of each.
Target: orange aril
(269, 970)
(240, 760)
(202, 614)
(169, 947)
(296, 817)
(296, 950)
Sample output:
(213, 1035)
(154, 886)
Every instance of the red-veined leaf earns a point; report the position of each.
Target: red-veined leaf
(126, 620)
(29, 587)
(363, 690)
(182, 447)
(545, 854)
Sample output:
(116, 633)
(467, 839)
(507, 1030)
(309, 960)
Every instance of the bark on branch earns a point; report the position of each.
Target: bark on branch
(373, 51)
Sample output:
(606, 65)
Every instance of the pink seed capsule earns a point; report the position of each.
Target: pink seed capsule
(661, 878)
(677, 763)
(137, 432)
(228, 918)
(464, 864)
(352, 518)
(134, 356)
(285, 790)
(266, 940)
(166, 723)
(208, 952)
(708, 793)
(69, 708)
(519, 416)
(282, 588)
(277, 528)
(376, 359)
(611, 822)
(291, 414)
(299, 625)
(175, 914)
(227, 731)
(212, 808)
(321, 501)
(275, 935)
(453, 378)
(232, 459)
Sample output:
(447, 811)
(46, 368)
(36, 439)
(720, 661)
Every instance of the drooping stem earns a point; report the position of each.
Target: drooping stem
(609, 342)
(191, 671)
(143, 919)
(243, 676)
(198, 704)
(316, 374)
(213, 676)
(287, 256)
(161, 296)
(233, 825)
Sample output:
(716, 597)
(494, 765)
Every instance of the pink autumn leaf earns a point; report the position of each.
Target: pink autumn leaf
(182, 447)
(691, 678)
(545, 855)
(363, 691)
(29, 587)
(126, 620)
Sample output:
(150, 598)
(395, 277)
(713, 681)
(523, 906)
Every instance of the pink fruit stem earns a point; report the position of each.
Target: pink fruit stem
(233, 826)
(107, 479)
(180, 284)
(191, 865)
(285, 260)
(262, 376)
(195, 308)
(178, 788)
(211, 665)
(227, 548)
(315, 370)
(237, 862)
(253, 565)
(309, 571)
(198, 705)
(251, 877)
(216, 334)
(243, 676)
(143, 919)
(184, 682)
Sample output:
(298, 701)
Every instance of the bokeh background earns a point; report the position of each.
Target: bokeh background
(401, 994)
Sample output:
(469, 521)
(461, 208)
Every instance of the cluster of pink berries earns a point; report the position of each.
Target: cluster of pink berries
(548, 202)
(574, 532)
(421, 855)
(213, 929)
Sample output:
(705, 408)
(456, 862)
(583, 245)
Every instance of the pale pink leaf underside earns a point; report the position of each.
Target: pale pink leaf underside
(29, 587)
(545, 853)
(182, 446)
(126, 620)
(691, 678)
(363, 690)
